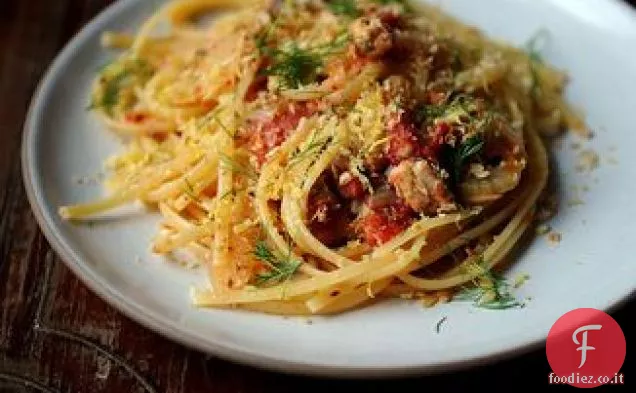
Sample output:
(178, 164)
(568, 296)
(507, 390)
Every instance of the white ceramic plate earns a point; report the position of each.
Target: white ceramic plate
(592, 267)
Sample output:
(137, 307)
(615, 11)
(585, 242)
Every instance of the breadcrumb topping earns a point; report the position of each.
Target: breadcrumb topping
(554, 238)
(587, 161)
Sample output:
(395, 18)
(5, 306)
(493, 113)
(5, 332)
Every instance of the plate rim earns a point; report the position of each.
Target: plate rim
(172, 330)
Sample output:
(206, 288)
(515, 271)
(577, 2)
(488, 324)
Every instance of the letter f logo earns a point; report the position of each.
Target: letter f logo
(583, 344)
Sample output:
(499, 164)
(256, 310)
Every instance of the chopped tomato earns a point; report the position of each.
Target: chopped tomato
(403, 140)
(382, 225)
(351, 187)
(136, 117)
(209, 104)
(435, 141)
(259, 84)
(210, 191)
(269, 134)
(159, 136)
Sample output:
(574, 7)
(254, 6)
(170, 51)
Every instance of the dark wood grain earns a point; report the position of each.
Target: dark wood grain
(56, 336)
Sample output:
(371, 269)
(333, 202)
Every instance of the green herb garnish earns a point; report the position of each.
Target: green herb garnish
(438, 325)
(264, 37)
(472, 147)
(469, 149)
(214, 116)
(532, 46)
(332, 47)
(236, 167)
(189, 191)
(313, 147)
(491, 291)
(296, 66)
(461, 103)
(456, 60)
(281, 270)
(429, 112)
(344, 7)
(233, 193)
(111, 92)
(456, 158)
(223, 126)
(117, 76)
(536, 59)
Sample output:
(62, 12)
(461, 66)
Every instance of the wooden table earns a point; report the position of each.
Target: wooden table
(56, 336)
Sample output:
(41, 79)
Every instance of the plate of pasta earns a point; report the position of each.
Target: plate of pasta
(342, 187)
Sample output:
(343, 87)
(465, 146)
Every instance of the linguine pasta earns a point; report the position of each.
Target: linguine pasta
(317, 155)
